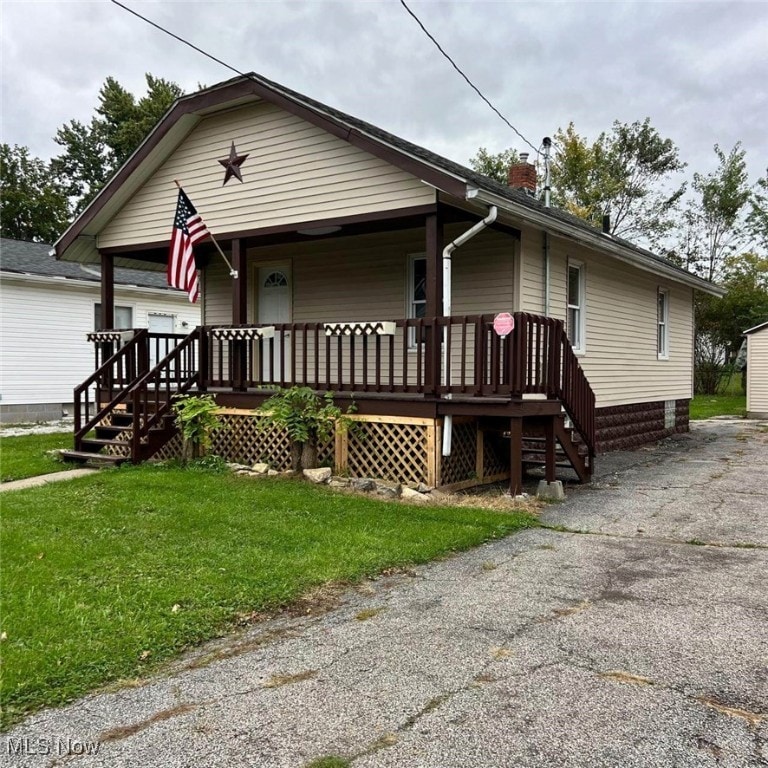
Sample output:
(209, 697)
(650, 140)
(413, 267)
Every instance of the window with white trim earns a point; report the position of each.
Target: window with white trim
(576, 308)
(417, 291)
(662, 324)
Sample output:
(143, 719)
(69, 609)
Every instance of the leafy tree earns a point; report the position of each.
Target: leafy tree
(33, 204)
(715, 219)
(494, 166)
(757, 218)
(720, 323)
(623, 174)
(94, 151)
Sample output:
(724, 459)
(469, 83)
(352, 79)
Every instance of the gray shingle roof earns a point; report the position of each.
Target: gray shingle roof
(456, 169)
(25, 258)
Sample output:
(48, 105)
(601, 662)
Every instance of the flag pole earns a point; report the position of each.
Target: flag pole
(232, 272)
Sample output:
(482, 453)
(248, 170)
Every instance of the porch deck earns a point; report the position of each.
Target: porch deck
(421, 368)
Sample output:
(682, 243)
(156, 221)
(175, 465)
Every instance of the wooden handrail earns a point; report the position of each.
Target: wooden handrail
(104, 371)
(151, 394)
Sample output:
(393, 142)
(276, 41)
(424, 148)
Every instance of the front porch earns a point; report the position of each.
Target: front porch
(504, 401)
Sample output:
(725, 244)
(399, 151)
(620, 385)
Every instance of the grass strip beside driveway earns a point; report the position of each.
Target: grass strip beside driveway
(707, 406)
(25, 455)
(105, 576)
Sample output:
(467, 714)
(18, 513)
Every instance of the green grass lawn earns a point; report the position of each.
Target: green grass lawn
(24, 456)
(706, 406)
(106, 576)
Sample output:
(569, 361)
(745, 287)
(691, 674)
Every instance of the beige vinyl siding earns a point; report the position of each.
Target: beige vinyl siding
(295, 172)
(621, 359)
(757, 373)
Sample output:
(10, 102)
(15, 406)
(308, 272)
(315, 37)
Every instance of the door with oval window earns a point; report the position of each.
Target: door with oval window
(273, 306)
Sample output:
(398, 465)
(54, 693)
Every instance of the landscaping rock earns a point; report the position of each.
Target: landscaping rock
(389, 490)
(272, 472)
(319, 475)
(340, 482)
(363, 484)
(260, 468)
(422, 488)
(410, 495)
(235, 467)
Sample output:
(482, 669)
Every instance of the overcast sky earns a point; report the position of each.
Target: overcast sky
(699, 70)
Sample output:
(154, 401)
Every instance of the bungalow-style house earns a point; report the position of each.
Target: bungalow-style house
(371, 267)
(49, 307)
(757, 371)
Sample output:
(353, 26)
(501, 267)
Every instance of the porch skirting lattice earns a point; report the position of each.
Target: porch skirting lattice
(395, 448)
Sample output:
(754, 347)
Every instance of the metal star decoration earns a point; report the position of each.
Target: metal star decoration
(232, 164)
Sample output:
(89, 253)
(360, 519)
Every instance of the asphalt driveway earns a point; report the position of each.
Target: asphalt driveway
(636, 637)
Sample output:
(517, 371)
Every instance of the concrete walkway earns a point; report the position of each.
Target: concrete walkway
(641, 642)
(53, 477)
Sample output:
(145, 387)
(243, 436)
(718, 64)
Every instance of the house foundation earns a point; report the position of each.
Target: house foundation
(624, 427)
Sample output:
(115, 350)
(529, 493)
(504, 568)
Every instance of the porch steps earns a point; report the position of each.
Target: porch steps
(88, 457)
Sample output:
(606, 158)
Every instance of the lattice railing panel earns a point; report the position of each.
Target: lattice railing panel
(461, 465)
(397, 452)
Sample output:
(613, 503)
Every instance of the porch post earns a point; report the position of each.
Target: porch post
(239, 313)
(107, 318)
(434, 303)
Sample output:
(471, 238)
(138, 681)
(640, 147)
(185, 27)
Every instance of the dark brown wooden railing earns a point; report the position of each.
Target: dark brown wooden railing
(434, 357)
(110, 385)
(95, 397)
(437, 356)
(151, 397)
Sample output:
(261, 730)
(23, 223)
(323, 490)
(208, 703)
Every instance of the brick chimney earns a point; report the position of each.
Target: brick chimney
(522, 175)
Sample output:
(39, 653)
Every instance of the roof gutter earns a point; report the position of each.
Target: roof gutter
(596, 240)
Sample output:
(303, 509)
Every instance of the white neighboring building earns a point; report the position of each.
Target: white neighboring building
(757, 371)
(46, 309)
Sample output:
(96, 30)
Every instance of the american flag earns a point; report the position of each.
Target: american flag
(188, 229)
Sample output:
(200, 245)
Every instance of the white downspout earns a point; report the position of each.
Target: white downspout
(447, 307)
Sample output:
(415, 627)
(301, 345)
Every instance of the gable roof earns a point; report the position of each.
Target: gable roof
(440, 172)
(25, 258)
(756, 328)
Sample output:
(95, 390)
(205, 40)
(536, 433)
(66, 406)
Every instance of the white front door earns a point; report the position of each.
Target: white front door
(159, 347)
(274, 306)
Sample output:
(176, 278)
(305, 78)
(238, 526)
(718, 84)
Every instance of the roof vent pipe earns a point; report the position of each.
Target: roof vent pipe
(547, 143)
(606, 223)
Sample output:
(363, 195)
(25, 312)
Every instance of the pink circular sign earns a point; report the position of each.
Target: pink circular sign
(503, 324)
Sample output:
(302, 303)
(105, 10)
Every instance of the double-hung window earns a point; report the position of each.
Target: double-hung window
(417, 292)
(662, 324)
(576, 306)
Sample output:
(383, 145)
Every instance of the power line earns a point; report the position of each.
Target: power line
(245, 74)
(458, 69)
(180, 39)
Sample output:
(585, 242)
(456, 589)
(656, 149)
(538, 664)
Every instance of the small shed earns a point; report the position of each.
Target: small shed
(757, 371)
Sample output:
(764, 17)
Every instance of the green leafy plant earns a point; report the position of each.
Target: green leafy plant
(308, 418)
(196, 419)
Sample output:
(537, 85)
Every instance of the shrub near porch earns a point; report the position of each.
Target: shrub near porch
(108, 575)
